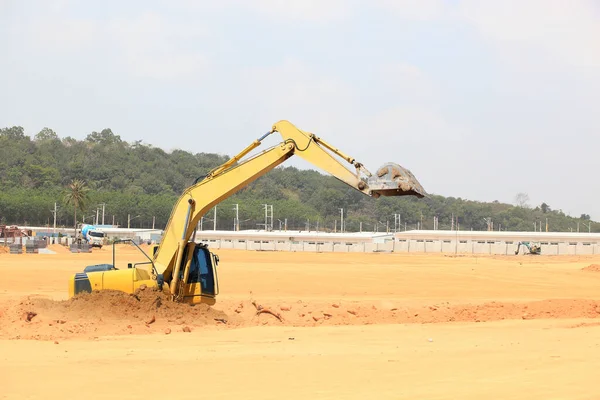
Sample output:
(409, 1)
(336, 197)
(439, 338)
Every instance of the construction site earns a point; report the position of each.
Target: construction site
(309, 321)
(323, 200)
(309, 312)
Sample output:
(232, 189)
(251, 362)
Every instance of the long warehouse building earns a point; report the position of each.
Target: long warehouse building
(415, 241)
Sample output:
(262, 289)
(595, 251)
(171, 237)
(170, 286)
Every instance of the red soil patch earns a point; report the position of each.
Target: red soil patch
(149, 311)
(99, 314)
(59, 248)
(592, 268)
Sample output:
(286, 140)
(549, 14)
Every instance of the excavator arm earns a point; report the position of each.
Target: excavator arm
(225, 180)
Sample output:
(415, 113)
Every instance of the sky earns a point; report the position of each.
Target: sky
(479, 99)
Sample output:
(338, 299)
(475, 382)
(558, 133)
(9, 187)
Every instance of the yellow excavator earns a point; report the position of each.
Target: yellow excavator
(188, 270)
(533, 248)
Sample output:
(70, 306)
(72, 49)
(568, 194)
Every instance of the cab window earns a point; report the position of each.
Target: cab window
(201, 271)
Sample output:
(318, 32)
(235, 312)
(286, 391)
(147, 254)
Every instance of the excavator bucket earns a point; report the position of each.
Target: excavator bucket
(393, 180)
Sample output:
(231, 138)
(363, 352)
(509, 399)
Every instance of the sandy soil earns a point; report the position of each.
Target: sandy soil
(352, 326)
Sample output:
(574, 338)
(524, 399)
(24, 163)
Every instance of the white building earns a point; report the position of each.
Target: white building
(415, 241)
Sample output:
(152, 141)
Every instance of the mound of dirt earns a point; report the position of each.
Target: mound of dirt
(359, 313)
(104, 313)
(58, 248)
(4, 249)
(149, 311)
(592, 268)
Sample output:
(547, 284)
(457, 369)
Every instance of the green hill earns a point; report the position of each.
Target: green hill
(143, 182)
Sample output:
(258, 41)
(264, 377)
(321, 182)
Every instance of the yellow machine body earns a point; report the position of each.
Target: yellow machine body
(199, 286)
(124, 280)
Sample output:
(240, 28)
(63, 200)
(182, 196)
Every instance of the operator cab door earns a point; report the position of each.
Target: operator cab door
(201, 281)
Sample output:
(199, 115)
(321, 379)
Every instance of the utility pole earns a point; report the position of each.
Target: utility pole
(128, 220)
(341, 220)
(490, 224)
(397, 222)
(589, 226)
(266, 216)
(97, 211)
(236, 221)
(54, 212)
(360, 227)
(452, 226)
(153, 221)
(268, 226)
(215, 221)
(546, 224)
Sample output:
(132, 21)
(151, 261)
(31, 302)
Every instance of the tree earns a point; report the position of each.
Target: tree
(522, 199)
(106, 136)
(585, 216)
(545, 208)
(13, 133)
(77, 195)
(46, 134)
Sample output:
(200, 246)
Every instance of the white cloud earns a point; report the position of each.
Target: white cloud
(568, 30)
(310, 10)
(415, 10)
(144, 46)
(317, 11)
(152, 47)
(294, 91)
(401, 125)
(48, 30)
(402, 81)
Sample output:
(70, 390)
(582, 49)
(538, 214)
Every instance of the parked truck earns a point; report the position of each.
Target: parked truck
(92, 235)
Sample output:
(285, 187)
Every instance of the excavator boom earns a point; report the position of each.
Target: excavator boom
(225, 180)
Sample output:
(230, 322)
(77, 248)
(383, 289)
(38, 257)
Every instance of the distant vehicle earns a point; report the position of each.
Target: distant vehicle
(534, 248)
(92, 235)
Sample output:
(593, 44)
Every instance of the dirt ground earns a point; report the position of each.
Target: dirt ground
(344, 326)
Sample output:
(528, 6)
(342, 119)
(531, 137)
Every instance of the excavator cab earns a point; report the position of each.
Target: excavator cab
(198, 282)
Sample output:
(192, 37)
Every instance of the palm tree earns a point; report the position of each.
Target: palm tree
(77, 195)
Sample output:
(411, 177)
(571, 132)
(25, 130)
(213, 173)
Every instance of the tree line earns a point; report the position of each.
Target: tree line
(138, 184)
